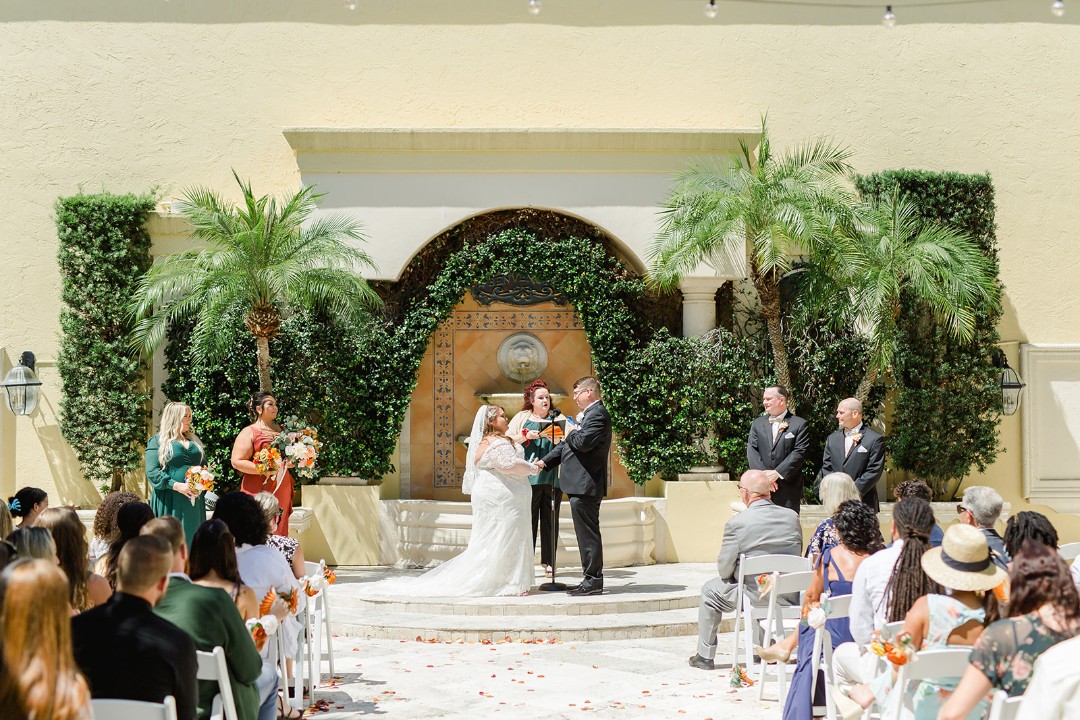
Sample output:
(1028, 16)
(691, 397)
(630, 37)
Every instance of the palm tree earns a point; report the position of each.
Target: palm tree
(779, 206)
(260, 257)
(893, 251)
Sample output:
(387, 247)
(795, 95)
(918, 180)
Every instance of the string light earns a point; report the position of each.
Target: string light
(534, 7)
(889, 18)
(710, 9)
(1058, 8)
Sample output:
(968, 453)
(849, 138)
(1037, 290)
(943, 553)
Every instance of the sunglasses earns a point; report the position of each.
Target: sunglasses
(960, 510)
(280, 512)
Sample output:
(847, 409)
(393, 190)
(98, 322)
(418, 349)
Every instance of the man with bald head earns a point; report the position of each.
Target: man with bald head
(764, 528)
(856, 450)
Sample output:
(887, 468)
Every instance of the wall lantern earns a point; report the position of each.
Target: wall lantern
(1011, 384)
(21, 386)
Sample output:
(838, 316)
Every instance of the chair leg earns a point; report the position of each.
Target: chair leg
(315, 646)
(326, 629)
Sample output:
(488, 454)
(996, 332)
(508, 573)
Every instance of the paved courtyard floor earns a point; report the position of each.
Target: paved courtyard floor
(645, 678)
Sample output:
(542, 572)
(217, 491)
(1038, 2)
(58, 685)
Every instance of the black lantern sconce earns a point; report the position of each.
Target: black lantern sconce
(1011, 385)
(21, 386)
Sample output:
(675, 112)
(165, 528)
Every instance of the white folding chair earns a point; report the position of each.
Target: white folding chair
(110, 709)
(317, 626)
(935, 664)
(780, 620)
(1069, 551)
(213, 668)
(1005, 707)
(276, 655)
(748, 612)
(891, 630)
(821, 657)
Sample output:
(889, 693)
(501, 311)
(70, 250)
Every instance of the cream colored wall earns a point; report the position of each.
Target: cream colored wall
(133, 95)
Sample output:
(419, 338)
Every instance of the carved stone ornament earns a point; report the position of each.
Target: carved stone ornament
(522, 357)
(516, 290)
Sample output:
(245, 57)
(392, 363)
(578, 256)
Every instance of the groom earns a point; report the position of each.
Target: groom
(584, 458)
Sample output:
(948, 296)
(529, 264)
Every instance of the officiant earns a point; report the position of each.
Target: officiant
(536, 431)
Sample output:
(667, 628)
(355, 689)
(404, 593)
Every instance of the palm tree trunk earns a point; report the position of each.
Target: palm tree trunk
(768, 291)
(867, 382)
(262, 345)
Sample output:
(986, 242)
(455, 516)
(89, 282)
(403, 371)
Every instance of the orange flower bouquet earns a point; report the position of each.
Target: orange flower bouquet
(267, 460)
(299, 444)
(898, 653)
(261, 629)
(199, 479)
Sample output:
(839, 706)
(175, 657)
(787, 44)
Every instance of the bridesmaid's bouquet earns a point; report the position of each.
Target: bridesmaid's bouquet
(200, 480)
(299, 444)
(267, 460)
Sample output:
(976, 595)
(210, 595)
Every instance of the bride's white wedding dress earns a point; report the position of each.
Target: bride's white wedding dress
(499, 558)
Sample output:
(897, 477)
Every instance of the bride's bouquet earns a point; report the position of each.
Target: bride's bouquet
(299, 445)
(200, 480)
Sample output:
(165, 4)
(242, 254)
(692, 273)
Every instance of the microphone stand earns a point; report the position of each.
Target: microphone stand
(556, 504)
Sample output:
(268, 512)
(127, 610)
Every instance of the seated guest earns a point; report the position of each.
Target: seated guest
(129, 521)
(6, 523)
(918, 489)
(289, 547)
(980, 507)
(105, 530)
(860, 537)
(33, 543)
(1054, 690)
(87, 589)
(1029, 525)
(762, 529)
(1044, 609)
(835, 488)
(42, 680)
(212, 563)
(128, 652)
(963, 568)
(28, 504)
(210, 618)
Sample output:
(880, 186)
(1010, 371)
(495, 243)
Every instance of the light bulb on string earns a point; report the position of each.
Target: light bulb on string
(1058, 8)
(889, 18)
(710, 9)
(534, 7)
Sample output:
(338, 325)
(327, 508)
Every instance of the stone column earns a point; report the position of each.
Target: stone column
(699, 304)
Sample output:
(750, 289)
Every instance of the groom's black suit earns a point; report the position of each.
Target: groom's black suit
(584, 459)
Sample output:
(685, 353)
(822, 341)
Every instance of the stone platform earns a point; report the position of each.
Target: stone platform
(650, 601)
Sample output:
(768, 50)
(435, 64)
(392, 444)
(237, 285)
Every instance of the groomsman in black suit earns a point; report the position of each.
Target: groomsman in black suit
(778, 444)
(583, 455)
(857, 450)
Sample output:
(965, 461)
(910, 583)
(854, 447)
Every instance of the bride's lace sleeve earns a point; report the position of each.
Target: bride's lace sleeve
(502, 457)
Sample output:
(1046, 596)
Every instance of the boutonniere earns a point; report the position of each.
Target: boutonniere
(782, 426)
(856, 437)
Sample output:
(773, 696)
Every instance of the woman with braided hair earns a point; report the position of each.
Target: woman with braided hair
(913, 519)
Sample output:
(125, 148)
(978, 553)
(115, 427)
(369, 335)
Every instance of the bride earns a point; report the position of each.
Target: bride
(499, 558)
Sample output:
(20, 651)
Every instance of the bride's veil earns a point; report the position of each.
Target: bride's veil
(475, 437)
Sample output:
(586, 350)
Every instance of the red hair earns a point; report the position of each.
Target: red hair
(530, 390)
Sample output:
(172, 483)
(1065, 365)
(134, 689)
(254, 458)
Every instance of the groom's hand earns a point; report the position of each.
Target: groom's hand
(539, 464)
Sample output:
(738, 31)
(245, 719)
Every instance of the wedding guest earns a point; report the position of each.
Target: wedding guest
(778, 445)
(857, 450)
(129, 521)
(1029, 525)
(87, 589)
(1044, 609)
(212, 564)
(169, 454)
(835, 489)
(255, 437)
(124, 649)
(288, 547)
(28, 504)
(1054, 690)
(33, 543)
(980, 507)
(764, 528)
(105, 530)
(916, 488)
(42, 677)
(531, 428)
(210, 618)
(6, 523)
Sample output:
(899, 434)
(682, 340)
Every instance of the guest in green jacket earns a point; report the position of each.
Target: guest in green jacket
(210, 618)
(169, 454)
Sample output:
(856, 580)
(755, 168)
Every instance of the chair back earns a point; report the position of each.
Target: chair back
(1005, 707)
(926, 665)
(214, 668)
(112, 709)
(891, 630)
(839, 605)
(765, 564)
(1069, 551)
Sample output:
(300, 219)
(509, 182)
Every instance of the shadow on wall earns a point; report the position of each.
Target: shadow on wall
(63, 464)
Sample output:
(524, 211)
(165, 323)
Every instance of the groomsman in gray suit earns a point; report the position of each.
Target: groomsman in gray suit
(778, 444)
(857, 450)
(763, 528)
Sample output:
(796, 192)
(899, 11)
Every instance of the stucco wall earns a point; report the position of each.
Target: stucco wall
(140, 94)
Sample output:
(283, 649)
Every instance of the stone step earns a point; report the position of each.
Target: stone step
(556, 603)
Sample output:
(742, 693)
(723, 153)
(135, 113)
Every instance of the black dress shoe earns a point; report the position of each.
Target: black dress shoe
(581, 590)
(696, 661)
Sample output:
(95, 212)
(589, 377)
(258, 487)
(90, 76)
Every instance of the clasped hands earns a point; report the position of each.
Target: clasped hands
(773, 477)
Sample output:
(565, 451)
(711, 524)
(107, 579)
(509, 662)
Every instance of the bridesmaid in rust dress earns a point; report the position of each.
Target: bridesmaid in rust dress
(263, 408)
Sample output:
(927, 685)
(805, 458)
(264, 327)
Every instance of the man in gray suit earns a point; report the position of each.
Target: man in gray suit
(762, 529)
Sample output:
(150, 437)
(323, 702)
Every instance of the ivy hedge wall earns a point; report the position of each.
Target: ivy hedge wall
(104, 250)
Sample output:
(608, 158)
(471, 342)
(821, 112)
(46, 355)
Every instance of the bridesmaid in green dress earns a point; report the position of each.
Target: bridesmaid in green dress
(169, 454)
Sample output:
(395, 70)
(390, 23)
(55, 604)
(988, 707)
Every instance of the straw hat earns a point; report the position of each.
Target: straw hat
(963, 561)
